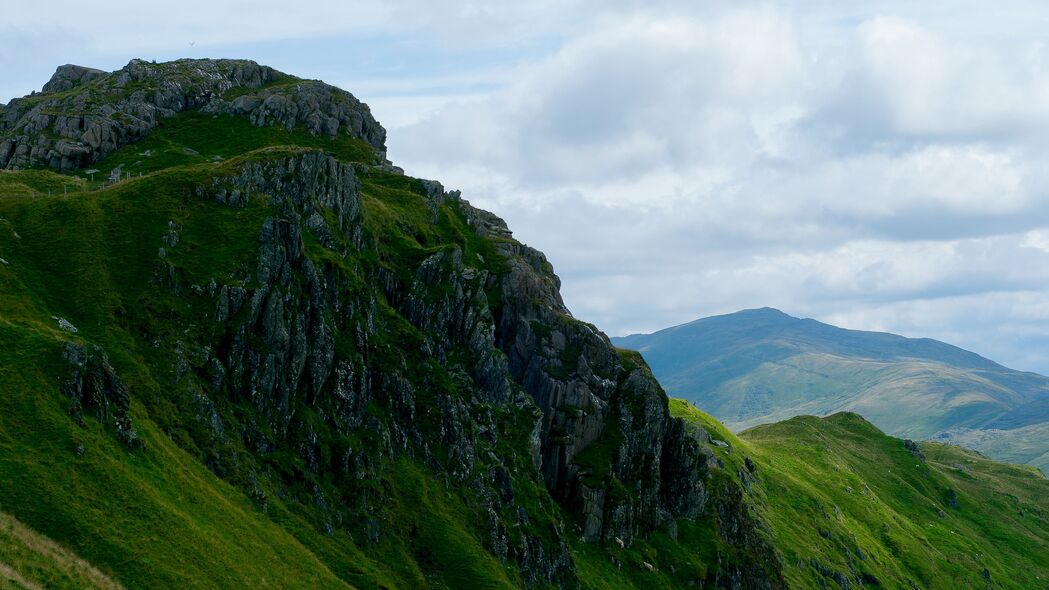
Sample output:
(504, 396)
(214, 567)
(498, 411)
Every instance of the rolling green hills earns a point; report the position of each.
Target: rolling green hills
(760, 366)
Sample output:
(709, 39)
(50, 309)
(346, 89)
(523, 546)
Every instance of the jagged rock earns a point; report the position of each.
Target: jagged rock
(64, 325)
(914, 449)
(77, 121)
(70, 76)
(94, 386)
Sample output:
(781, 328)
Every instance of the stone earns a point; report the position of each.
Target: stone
(67, 127)
(914, 449)
(64, 325)
(70, 76)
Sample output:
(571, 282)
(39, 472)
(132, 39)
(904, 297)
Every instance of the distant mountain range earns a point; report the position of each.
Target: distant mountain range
(762, 365)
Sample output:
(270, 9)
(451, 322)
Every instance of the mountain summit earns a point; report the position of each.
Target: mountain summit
(762, 365)
(82, 115)
(239, 348)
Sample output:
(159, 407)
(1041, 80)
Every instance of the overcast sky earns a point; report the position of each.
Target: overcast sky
(877, 168)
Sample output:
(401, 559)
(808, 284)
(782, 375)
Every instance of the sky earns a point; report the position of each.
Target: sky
(878, 166)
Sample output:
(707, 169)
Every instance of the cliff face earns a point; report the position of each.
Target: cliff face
(379, 319)
(491, 322)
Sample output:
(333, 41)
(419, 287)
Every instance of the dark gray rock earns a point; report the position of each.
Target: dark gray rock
(85, 114)
(94, 387)
(70, 76)
(914, 449)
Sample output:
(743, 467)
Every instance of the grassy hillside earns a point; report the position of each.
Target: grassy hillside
(759, 366)
(30, 560)
(156, 514)
(131, 440)
(846, 502)
(149, 516)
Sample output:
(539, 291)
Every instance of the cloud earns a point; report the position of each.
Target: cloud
(881, 169)
(630, 99)
(675, 167)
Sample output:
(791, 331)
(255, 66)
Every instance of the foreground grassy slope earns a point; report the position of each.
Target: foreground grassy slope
(845, 501)
(30, 560)
(155, 516)
(148, 516)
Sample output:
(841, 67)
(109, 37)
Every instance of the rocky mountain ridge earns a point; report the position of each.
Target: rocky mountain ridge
(376, 319)
(269, 358)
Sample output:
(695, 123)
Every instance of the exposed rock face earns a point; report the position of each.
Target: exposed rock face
(914, 449)
(70, 76)
(85, 114)
(503, 339)
(350, 357)
(93, 386)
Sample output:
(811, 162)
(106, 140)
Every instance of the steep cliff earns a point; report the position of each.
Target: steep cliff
(362, 350)
(242, 349)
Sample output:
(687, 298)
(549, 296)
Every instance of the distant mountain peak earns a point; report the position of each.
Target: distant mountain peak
(761, 365)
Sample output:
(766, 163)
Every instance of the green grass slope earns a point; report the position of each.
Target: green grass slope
(845, 502)
(155, 516)
(31, 561)
(147, 517)
(759, 366)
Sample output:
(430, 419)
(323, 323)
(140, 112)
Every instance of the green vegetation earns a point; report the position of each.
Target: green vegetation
(31, 560)
(840, 497)
(193, 137)
(30, 183)
(155, 515)
(210, 494)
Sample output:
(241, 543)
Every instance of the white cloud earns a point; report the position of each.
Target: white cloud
(879, 169)
(686, 166)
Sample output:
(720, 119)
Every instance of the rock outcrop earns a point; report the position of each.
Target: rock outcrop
(85, 114)
(94, 387)
(492, 339)
(345, 347)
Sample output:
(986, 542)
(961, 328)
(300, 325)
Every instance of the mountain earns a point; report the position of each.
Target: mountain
(762, 365)
(240, 348)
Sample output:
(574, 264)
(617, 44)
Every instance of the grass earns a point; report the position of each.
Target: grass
(193, 137)
(157, 516)
(148, 518)
(833, 489)
(37, 183)
(31, 560)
